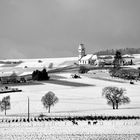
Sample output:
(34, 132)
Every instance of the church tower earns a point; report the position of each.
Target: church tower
(81, 51)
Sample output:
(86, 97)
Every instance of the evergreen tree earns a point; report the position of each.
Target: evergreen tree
(40, 75)
(117, 59)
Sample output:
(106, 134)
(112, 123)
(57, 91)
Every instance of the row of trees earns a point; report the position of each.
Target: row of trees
(115, 96)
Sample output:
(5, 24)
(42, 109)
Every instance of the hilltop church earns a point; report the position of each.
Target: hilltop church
(88, 59)
(91, 59)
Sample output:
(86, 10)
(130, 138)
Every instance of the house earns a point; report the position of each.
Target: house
(128, 59)
(8, 77)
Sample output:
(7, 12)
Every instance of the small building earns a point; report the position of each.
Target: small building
(128, 59)
(8, 77)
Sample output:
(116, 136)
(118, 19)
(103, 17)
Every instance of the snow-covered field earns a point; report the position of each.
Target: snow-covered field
(76, 97)
(39, 63)
(113, 130)
(73, 99)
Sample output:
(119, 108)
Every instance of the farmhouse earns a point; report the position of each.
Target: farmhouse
(128, 59)
(12, 77)
(6, 77)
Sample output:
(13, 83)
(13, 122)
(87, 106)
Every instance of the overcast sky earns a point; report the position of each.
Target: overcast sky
(54, 28)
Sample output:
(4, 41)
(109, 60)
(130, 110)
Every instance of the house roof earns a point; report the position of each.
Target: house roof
(127, 56)
(6, 74)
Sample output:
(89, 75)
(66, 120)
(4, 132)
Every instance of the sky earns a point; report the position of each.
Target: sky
(55, 28)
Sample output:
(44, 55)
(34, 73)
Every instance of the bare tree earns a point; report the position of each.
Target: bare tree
(5, 104)
(115, 96)
(48, 100)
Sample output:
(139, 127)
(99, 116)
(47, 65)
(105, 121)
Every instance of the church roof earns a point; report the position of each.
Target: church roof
(87, 57)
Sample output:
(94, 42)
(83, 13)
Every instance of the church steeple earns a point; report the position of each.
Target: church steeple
(81, 51)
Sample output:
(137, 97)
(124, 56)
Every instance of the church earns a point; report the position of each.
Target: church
(91, 59)
(87, 59)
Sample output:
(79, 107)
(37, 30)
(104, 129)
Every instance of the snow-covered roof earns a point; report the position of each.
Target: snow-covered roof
(127, 56)
(94, 57)
(87, 57)
(106, 57)
(25, 73)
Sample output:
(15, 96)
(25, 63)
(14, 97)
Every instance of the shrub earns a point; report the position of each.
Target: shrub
(83, 69)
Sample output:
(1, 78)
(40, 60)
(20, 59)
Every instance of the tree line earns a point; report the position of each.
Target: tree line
(123, 51)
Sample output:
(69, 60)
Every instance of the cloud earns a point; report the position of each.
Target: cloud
(9, 49)
(52, 26)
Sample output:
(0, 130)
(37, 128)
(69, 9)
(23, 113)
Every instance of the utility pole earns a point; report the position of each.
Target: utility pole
(28, 110)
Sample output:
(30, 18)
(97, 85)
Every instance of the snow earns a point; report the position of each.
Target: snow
(74, 100)
(67, 131)
(25, 73)
(45, 62)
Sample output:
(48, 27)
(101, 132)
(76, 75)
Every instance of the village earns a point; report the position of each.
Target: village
(81, 108)
(69, 70)
(22, 72)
